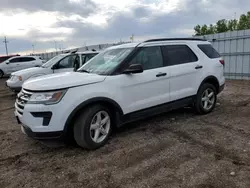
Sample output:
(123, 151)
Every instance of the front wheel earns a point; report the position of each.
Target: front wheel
(206, 99)
(93, 127)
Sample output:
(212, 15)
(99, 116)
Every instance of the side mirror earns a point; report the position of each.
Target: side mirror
(54, 66)
(135, 68)
(7, 62)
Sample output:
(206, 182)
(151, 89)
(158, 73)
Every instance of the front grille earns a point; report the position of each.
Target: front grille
(22, 99)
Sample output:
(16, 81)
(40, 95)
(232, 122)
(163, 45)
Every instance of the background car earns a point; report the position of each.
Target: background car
(6, 57)
(14, 64)
(60, 63)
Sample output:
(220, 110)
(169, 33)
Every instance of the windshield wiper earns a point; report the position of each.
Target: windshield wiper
(83, 70)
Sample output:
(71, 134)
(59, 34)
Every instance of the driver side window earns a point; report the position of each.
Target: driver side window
(67, 62)
(149, 58)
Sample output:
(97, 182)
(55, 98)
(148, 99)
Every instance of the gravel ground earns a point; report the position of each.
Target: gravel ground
(176, 149)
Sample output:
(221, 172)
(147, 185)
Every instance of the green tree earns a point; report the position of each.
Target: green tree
(204, 30)
(248, 20)
(224, 25)
(221, 26)
(197, 30)
(232, 25)
(211, 29)
(242, 22)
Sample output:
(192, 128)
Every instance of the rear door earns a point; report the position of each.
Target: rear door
(27, 62)
(185, 70)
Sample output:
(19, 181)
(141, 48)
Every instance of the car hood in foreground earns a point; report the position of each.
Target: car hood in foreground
(29, 71)
(61, 80)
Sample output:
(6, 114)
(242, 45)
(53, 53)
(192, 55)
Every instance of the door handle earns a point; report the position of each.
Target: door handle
(199, 67)
(161, 74)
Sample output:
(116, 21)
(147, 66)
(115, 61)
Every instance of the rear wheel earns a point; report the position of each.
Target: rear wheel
(206, 99)
(1, 74)
(93, 127)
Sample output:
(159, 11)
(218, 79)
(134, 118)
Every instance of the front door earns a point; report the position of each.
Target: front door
(66, 64)
(146, 89)
(13, 65)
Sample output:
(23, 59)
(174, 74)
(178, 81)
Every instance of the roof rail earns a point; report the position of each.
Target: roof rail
(170, 39)
(74, 51)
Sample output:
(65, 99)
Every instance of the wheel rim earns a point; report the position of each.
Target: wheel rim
(100, 126)
(208, 99)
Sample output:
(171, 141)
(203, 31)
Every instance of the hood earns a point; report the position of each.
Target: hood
(33, 70)
(62, 80)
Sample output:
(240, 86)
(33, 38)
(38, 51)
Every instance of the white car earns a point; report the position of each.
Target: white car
(121, 84)
(18, 63)
(60, 63)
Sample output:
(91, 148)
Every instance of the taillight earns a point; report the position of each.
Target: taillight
(222, 62)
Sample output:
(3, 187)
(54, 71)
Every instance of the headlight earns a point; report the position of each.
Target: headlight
(47, 98)
(15, 78)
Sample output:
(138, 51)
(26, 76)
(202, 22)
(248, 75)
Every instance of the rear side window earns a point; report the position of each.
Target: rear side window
(178, 54)
(209, 51)
(15, 60)
(25, 59)
(4, 58)
(89, 56)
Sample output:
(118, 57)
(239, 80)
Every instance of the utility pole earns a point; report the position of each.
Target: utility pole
(6, 46)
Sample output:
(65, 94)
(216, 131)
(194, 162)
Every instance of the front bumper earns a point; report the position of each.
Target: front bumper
(42, 135)
(13, 86)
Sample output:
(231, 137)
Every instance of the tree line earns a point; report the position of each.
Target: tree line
(224, 25)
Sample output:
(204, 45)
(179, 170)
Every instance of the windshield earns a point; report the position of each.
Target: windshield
(105, 62)
(52, 61)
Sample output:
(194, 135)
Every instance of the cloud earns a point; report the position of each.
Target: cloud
(82, 7)
(140, 21)
(98, 21)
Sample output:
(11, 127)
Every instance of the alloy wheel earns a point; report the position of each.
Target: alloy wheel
(208, 99)
(100, 126)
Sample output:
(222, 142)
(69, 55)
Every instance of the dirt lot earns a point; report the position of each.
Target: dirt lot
(177, 149)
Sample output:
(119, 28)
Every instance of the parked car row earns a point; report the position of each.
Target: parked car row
(4, 58)
(60, 63)
(18, 63)
(121, 84)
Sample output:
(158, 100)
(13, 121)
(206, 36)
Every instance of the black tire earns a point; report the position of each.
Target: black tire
(1, 73)
(198, 102)
(82, 127)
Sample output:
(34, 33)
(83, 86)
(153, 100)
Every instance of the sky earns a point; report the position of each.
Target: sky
(63, 24)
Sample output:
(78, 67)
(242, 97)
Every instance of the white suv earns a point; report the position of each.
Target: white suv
(61, 63)
(18, 63)
(121, 84)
